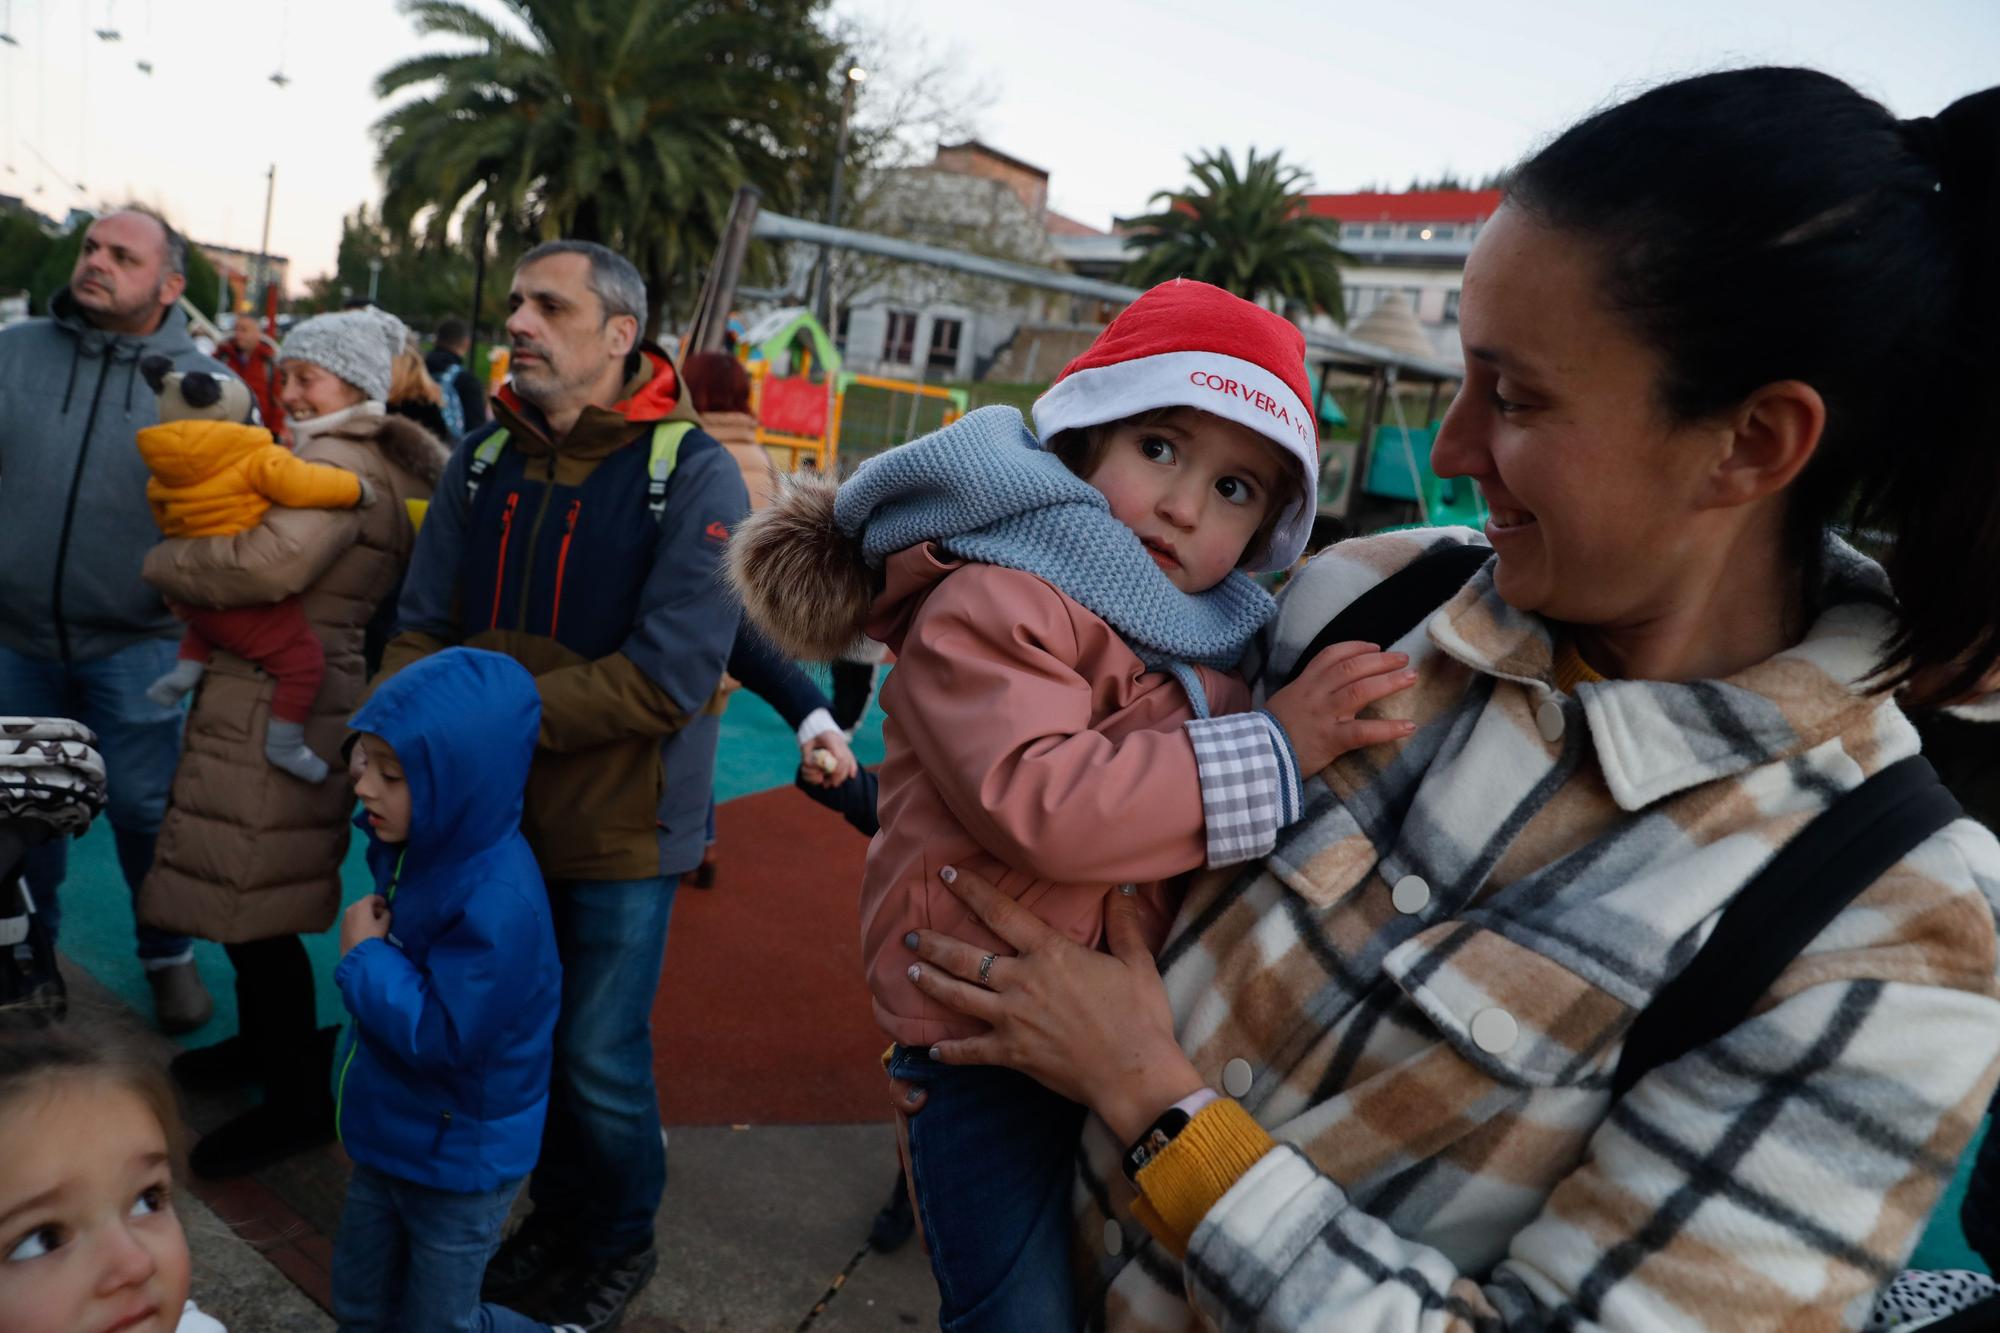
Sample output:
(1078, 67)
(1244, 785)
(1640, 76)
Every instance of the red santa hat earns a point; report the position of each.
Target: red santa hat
(1187, 344)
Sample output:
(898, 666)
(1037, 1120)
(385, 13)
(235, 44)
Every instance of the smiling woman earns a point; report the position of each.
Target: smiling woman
(1391, 1077)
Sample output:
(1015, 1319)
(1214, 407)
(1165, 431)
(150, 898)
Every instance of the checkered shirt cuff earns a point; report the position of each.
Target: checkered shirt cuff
(1249, 784)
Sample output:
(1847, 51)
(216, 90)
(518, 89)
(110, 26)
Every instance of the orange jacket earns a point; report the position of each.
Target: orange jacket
(216, 478)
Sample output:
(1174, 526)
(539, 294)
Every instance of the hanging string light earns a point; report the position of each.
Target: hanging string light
(281, 78)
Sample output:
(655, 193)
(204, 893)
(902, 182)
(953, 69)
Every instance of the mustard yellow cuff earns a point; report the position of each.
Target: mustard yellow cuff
(1178, 1187)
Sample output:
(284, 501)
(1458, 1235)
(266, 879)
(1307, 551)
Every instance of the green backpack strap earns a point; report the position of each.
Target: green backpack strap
(483, 459)
(666, 452)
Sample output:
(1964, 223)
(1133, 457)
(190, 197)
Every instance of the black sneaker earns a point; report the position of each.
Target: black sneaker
(226, 1064)
(261, 1137)
(229, 1064)
(527, 1263)
(595, 1297)
(893, 1226)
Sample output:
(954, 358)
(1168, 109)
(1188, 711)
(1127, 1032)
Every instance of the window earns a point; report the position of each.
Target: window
(1381, 231)
(1451, 307)
(899, 344)
(1352, 231)
(944, 346)
(1443, 231)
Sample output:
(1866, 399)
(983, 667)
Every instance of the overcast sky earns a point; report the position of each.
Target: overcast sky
(1107, 95)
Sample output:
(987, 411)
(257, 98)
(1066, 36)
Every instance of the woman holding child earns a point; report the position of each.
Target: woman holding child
(249, 855)
(1370, 1080)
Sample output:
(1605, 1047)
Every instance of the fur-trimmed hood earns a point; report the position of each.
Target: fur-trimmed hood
(402, 441)
(802, 581)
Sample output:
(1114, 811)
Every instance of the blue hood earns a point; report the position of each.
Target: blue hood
(463, 722)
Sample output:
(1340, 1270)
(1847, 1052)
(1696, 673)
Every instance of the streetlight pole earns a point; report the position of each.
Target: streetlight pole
(264, 245)
(478, 283)
(823, 297)
(374, 277)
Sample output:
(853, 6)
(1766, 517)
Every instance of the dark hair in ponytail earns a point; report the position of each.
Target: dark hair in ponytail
(1769, 224)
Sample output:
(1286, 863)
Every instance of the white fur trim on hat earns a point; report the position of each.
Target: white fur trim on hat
(1227, 386)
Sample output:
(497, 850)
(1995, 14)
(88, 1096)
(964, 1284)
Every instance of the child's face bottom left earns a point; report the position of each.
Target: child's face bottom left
(89, 1241)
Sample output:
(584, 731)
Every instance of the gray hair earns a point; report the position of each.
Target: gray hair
(616, 282)
(176, 246)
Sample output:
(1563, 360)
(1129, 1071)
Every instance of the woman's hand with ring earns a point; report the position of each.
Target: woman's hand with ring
(1093, 1027)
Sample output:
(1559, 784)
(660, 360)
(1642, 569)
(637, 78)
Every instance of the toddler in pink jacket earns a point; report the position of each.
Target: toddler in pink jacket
(1066, 618)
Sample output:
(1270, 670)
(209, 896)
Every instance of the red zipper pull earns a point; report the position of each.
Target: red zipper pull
(562, 563)
(500, 568)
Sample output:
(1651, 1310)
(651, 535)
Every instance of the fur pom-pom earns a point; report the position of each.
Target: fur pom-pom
(802, 581)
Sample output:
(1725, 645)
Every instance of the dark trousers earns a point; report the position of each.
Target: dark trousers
(992, 1160)
(278, 1019)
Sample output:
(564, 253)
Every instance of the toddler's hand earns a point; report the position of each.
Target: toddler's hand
(827, 760)
(367, 919)
(1318, 710)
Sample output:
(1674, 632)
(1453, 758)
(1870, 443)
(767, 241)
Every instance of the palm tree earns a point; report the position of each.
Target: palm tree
(629, 122)
(1248, 232)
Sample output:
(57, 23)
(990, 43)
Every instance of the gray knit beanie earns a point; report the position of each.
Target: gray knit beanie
(360, 346)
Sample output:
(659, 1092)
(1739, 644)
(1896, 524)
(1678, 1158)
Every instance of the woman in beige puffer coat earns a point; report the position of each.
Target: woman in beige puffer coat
(248, 855)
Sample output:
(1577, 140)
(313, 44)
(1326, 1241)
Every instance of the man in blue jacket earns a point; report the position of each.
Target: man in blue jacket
(580, 533)
(449, 971)
(80, 635)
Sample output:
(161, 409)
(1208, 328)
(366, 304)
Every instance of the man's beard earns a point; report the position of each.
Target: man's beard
(135, 310)
(540, 383)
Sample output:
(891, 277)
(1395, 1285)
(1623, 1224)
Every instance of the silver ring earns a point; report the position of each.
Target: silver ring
(986, 971)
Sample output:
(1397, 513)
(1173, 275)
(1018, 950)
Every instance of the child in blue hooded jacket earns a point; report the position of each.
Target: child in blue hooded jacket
(450, 974)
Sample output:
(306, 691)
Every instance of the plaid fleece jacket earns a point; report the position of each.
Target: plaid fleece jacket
(1428, 981)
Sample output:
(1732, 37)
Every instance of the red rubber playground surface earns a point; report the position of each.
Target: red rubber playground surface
(762, 1016)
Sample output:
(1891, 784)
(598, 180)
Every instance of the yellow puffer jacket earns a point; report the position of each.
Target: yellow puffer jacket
(217, 478)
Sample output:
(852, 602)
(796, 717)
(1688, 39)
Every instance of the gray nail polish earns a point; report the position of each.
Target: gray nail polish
(910, 940)
(934, 1052)
(914, 1095)
(915, 972)
(948, 875)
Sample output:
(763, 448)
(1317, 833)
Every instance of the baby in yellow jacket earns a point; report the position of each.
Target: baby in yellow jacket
(215, 476)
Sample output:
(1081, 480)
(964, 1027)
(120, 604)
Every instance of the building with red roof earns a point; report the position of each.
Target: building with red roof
(1412, 244)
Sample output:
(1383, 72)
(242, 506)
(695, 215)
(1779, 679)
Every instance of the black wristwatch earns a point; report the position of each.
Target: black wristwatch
(1154, 1141)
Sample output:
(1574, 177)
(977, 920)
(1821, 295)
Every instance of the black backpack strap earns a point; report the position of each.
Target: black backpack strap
(1797, 895)
(1393, 607)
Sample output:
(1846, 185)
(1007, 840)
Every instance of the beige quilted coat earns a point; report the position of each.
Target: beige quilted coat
(246, 851)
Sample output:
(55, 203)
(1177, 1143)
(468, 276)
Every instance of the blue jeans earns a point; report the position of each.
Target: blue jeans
(992, 1160)
(141, 744)
(603, 1166)
(410, 1258)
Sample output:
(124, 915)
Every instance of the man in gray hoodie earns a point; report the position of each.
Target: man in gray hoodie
(81, 635)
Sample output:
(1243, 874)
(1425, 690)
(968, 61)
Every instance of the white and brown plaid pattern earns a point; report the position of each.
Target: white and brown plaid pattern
(1430, 1180)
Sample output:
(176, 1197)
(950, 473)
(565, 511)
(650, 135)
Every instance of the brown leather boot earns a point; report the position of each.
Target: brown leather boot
(180, 1001)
